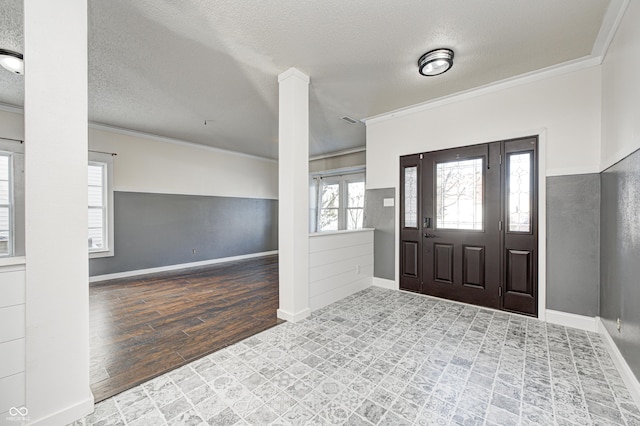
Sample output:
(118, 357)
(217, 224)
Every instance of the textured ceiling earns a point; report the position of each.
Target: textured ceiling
(164, 67)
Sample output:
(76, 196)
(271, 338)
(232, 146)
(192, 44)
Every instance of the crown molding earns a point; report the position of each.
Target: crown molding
(293, 72)
(11, 108)
(610, 24)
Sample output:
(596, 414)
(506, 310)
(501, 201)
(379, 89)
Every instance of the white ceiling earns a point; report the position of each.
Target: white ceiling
(164, 67)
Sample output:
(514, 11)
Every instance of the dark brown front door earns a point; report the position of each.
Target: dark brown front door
(468, 228)
(461, 200)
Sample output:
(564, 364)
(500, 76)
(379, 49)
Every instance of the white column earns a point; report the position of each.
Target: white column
(57, 293)
(293, 196)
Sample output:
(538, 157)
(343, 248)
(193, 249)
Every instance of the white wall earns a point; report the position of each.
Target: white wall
(567, 106)
(340, 264)
(621, 90)
(157, 165)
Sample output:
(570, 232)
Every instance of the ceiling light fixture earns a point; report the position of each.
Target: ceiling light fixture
(12, 61)
(435, 62)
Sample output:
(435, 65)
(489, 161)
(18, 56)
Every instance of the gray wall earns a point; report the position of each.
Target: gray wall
(573, 244)
(153, 230)
(620, 256)
(383, 220)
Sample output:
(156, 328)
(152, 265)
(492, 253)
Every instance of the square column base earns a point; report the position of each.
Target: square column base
(299, 316)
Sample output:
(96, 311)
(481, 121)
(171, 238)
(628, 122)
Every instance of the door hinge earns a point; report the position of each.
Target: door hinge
(500, 291)
(499, 225)
(421, 156)
(500, 158)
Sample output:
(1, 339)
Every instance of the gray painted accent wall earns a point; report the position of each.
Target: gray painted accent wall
(620, 256)
(383, 220)
(573, 244)
(154, 230)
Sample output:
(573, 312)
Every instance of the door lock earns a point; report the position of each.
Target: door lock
(428, 235)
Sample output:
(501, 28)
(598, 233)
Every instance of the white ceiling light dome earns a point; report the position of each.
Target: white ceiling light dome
(435, 62)
(12, 61)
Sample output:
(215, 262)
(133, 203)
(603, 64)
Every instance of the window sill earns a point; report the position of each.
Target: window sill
(99, 254)
(343, 231)
(12, 260)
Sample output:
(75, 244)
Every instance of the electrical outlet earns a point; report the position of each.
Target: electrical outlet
(619, 325)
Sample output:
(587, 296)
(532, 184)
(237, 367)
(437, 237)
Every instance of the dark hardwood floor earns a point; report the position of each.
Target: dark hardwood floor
(145, 326)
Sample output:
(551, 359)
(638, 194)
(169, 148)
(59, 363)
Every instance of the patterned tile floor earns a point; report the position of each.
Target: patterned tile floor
(390, 358)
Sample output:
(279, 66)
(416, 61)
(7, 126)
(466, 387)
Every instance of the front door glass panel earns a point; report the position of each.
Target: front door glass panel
(411, 197)
(459, 194)
(519, 192)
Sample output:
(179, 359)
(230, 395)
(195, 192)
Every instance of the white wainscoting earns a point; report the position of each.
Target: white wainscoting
(12, 332)
(340, 264)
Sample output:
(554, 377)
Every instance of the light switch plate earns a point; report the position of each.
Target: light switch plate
(388, 202)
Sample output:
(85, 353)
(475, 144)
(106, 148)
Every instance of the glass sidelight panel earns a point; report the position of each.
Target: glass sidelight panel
(459, 194)
(519, 192)
(411, 197)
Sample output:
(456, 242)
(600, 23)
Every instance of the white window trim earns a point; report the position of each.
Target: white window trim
(107, 160)
(359, 177)
(342, 177)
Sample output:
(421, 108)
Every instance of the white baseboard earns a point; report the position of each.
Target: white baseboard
(137, 272)
(628, 377)
(67, 415)
(298, 316)
(384, 283)
(566, 319)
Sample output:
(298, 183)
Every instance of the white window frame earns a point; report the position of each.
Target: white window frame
(345, 195)
(106, 161)
(342, 179)
(10, 205)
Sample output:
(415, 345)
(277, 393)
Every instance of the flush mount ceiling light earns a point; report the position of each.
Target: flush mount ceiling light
(12, 61)
(435, 62)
